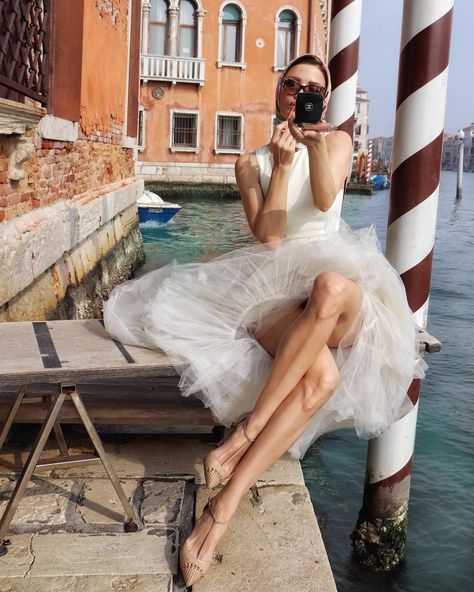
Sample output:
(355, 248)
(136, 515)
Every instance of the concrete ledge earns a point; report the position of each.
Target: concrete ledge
(32, 243)
(75, 286)
(186, 172)
(135, 583)
(272, 545)
(275, 545)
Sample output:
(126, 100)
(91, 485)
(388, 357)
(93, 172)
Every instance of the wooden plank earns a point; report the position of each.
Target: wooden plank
(138, 413)
(428, 342)
(85, 344)
(85, 375)
(85, 351)
(19, 348)
(46, 347)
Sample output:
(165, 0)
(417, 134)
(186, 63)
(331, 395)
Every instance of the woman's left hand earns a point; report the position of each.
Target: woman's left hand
(313, 133)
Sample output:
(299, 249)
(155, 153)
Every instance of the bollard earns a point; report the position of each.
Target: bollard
(380, 534)
(460, 164)
(343, 61)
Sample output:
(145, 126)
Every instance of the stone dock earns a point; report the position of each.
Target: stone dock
(67, 534)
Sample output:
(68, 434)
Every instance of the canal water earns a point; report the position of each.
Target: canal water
(439, 555)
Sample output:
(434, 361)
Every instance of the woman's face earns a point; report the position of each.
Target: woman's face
(303, 74)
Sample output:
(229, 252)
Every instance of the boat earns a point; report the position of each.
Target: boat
(151, 208)
(380, 181)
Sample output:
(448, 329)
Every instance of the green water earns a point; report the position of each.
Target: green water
(439, 555)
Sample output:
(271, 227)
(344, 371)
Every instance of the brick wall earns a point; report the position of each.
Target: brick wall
(62, 170)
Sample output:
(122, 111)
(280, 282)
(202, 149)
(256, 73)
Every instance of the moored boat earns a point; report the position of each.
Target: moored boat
(152, 208)
(380, 181)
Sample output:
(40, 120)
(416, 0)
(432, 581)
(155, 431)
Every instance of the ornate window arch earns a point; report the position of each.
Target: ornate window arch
(287, 35)
(232, 23)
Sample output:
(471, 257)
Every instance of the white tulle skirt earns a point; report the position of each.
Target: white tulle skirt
(206, 317)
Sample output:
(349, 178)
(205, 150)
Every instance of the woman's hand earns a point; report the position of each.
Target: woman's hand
(312, 133)
(282, 145)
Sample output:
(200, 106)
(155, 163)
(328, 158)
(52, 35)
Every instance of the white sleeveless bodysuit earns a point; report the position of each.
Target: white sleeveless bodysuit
(304, 219)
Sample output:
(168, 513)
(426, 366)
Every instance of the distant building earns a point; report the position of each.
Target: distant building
(361, 123)
(449, 156)
(469, 148)
(449, 160)
(208, 75)
(382, 152)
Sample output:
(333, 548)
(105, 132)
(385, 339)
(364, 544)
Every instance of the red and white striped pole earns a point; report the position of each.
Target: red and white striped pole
(343, 59)
(379, 538)
(368, 164)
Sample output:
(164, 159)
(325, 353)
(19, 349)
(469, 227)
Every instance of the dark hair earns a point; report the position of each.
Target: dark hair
(309, 58)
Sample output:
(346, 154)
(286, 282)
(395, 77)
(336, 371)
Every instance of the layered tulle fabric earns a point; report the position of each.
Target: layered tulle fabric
(206, 316)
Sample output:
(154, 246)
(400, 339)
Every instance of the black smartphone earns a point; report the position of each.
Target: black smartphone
(309, 108)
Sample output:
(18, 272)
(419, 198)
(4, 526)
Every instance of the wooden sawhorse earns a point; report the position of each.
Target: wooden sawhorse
(62, 354)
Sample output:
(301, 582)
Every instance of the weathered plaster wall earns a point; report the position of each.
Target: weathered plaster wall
(104, 65)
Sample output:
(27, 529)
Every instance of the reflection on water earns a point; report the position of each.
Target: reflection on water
(439, 556)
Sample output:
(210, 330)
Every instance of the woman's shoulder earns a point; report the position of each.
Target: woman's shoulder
(246, 168)
(249, 162)
(339, 137)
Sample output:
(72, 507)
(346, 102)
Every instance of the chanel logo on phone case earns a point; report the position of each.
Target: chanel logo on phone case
(308, 106)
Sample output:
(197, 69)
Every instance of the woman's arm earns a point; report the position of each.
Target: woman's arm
(329, 163)
(267, 217)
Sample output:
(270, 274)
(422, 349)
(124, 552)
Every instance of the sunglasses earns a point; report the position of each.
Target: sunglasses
(291, 87)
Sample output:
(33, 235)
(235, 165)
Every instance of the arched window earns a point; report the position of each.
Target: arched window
(231, 33)
(187, 29)
(286, 38)
(158, 25)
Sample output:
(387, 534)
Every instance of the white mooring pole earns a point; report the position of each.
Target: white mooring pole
(460, 164)
(380, 534)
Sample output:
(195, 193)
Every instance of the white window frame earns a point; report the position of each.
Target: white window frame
(195, 149)
(299, 22)
(142, 127)
(220, 63)
(242, 123)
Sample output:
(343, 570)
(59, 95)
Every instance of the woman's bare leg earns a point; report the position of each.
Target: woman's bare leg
(281, 431)
(294, 342)
(333, 307)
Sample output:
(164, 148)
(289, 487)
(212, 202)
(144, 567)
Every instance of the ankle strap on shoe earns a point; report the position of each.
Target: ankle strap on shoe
(244, 428)
(211, 511)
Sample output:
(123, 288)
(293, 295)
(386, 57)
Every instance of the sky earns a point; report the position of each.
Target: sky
(379, 56)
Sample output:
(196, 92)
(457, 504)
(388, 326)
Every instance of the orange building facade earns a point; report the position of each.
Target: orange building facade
(69, 86)
(208, 73)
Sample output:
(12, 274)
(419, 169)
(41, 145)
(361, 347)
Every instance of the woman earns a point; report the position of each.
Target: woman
(301, 333)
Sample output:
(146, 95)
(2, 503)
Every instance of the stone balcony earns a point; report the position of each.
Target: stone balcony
(173, 69)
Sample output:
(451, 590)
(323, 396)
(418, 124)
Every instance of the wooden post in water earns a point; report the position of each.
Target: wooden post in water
(460, 164)
(368, 164)
(343, 59)
(380, 534)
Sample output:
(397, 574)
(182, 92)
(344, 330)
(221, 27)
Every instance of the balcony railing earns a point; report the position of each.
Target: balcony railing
(175, 69)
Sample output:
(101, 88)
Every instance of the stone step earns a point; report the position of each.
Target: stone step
(130, 583)
(124, 562)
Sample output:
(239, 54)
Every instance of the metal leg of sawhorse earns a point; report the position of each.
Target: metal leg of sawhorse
(33, 463)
